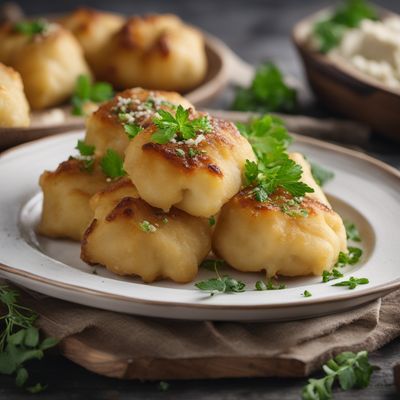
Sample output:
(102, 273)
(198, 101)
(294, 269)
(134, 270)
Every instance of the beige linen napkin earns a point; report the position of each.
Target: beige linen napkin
(126, 346)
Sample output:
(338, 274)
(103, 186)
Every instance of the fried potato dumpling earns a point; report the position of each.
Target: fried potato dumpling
(105, 127)
(66, 194)
(14, 108)
(197, 176)
(49, 63)
(129, 237)
(280, 235)
(92, 29)
(155, 52)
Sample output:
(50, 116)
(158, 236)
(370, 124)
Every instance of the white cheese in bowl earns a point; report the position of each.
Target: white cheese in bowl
(374, 49)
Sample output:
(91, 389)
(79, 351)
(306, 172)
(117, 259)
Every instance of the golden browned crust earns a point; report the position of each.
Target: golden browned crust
(118, 184)
(275, 202)
(223, 134)
(86, 234)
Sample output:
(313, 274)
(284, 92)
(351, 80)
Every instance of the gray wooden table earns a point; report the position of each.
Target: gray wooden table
(256, 30)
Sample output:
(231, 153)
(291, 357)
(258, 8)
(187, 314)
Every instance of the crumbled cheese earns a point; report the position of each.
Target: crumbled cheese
(374, 49)
(196, 141)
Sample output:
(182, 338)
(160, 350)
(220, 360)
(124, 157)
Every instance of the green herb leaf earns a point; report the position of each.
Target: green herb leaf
(268, 92)
(85, 149)
(269, 285)
(86, 91)
(211, 221)
(331, 275)
(31, 28)
(180, 126)
(224, 284)
(352, 257)
(352, 283)
(112, 164)
(306, 293)
(321, 175)
(212, 264)
(352, 232)
(350, 370)
(163, 386)
(147, 227)
(132, 130)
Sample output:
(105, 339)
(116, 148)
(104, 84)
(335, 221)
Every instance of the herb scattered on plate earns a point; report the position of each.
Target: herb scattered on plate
(306, 293)
(352, 232)
(269, 285)
(86, 91)
(352, 257)
(267, 92)
(350, 370)
(331, 275)
(320, 174)
(32, 28)
(353, 282)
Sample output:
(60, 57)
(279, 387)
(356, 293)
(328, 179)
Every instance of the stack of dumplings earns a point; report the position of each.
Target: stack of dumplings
(146, 201)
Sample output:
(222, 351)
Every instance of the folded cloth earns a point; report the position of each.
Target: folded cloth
(126, 346)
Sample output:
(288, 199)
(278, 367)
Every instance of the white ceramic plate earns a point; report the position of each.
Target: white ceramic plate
(364, 190)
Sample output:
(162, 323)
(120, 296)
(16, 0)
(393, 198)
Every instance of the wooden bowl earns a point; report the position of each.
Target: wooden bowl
(42, 123)
(345, 90)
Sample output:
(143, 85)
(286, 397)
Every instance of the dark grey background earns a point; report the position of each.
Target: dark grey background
(257, 31)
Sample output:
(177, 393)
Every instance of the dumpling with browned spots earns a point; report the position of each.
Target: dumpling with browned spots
(66, 194)
(47, 56)
(14, 107)
(197, 175)
(116, 121)
(129, 237)
(93, 29)
(282, 235)
(155, 52)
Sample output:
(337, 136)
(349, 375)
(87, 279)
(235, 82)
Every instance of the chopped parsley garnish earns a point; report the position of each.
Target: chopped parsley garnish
(165, 220)
(32, 28)
(132, 130)
(86, 91)
(180, 153)
(112, 164)
(85, 149)
(266, 178)
(147, 227)
(19, 339)
(352, 283)
(273, 169)
(86, 155)
(211, 221)
(180, 127)
(352, 257)
(352, 232)
(306, 293)
(348, 369)
(329, 31)
(269, 285)
(321, 175)
(194, 152)
(224, 284)
(267, 92)
(331, 275)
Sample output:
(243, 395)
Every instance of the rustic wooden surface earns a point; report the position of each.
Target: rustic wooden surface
(257, 30)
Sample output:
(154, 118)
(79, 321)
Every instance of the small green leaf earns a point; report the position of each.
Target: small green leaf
(32, 337)
(321, 175)
(38, 388)
(211, 221)
(22, 377)
(17, 338)
(212, 264)
(306, 293)
(8, 364)
(163, 386)
(85, 149)
(31, 28)
(48, 343)
(132, 130)
(112, 164)
(352, 231)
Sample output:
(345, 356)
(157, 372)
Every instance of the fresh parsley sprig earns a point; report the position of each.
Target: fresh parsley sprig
(180, 126)
(31, 28)
(352, 257)
(350, 370)
(269, 285)
(329, 31)
(352, 232)
(86, 91)
(19, 339)
(86, 155)
(331, 275)
(267, 92)
(112, 164)
(220, 284)
(353, 282)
